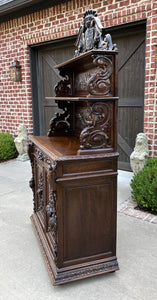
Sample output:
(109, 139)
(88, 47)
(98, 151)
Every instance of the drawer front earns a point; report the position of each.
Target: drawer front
(84, 167)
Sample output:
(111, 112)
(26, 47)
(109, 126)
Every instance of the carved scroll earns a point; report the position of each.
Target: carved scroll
(98, 133)
(62, 88)
(60, 124)
(100, 83)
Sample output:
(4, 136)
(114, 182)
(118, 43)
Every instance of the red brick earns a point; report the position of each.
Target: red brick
(113, 6)
(124, 3)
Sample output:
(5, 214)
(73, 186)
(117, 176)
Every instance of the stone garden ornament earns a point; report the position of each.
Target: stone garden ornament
(21, 143)
(140, 154)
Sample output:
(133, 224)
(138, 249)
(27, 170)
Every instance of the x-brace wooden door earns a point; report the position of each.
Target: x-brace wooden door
(48, 77)
(131, 74)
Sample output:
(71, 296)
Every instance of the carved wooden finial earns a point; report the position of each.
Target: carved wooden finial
(90, 34)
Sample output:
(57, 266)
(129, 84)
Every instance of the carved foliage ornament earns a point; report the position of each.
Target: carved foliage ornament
(100, 83)
(63, 88)
(60, 124)
(32, 181)
(40, 191)
(97, 134)
(51, 214)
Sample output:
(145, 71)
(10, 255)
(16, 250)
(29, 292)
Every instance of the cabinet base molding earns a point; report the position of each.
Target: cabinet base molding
(75, 272)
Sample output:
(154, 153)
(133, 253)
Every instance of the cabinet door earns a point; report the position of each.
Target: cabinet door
(86, 220)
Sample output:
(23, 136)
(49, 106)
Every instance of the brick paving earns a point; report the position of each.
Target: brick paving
(128, 207)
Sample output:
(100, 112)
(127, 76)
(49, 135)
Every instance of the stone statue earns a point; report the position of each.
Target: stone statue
(90, 35)
(140, 154)
(21, 143)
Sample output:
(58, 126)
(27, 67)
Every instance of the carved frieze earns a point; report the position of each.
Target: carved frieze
(83, 272)
(42, 157)
(39, 154)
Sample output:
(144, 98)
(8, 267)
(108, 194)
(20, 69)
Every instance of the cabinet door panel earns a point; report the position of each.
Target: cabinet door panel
(88, 215)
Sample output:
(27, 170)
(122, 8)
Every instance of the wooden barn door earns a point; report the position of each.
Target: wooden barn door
(131, 74)
(48, 77)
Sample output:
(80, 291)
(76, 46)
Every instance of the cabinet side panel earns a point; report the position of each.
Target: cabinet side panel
(89, 218)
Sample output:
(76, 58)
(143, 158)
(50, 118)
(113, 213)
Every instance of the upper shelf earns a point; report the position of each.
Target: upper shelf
(84, 59)
(76, 99)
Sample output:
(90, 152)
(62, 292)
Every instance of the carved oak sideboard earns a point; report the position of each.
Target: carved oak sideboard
(74, 168)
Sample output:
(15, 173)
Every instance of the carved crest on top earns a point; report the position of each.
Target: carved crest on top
(90, 34)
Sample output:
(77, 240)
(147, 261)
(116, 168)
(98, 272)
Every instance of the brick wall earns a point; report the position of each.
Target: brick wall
(61, 21)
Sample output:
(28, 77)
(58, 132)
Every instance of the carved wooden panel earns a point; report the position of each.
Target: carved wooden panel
(96, 125)
(81, 81)
(51, 209)
(97, 135)
(100, 83)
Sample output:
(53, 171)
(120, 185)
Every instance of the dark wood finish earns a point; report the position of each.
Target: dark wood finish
(74, 170)
(74, 208)
(95, 120)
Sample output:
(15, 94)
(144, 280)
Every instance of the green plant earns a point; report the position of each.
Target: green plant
(7, 146)
(144, 186)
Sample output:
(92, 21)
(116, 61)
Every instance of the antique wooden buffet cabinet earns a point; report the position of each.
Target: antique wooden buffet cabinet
(74, 168)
